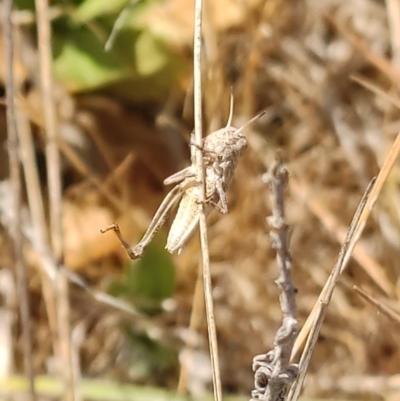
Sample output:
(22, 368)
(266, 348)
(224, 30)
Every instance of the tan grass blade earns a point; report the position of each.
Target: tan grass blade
(388, 312)
(379, 62)
(318, 314)
(329, 220)
(353, 235)
(395, 101)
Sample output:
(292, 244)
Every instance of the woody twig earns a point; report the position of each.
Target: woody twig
(273, 373)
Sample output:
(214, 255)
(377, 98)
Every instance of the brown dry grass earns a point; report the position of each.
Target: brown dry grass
(297, 59)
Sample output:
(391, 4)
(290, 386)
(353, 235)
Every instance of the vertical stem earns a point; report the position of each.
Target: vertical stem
(37, 215)
(15, 178)
(55, 200)
(212, 334)
(50, 123)
(194, 325)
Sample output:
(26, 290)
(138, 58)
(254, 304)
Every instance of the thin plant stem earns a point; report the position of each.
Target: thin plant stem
(15, 179)
(212, 335)
(196, 317)
(54, 185)
(37, 214)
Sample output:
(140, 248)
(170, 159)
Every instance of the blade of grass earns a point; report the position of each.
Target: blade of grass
(389, 313)
(310, 329)
(327, 218)
(381, 63)
(326, 294)
(391, 99)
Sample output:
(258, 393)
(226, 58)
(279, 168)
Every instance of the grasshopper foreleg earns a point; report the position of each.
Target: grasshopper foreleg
(223, 208)
(218, 194)
(218, 182)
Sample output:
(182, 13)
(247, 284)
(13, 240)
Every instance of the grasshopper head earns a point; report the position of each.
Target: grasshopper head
(229, 141)
(226, 142)
(240, 142)
(235, 143)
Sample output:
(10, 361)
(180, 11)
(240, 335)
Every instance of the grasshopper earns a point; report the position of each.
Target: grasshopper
(221, 152)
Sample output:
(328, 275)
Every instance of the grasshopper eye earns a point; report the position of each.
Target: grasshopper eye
(241, 145)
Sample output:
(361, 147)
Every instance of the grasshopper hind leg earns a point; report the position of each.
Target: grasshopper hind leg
(159, 218)
(114, 227)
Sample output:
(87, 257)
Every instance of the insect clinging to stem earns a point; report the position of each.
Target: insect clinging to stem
(221, 152)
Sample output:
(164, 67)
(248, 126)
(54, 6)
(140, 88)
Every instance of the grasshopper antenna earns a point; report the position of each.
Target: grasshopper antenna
(229, 123)
(251, 121)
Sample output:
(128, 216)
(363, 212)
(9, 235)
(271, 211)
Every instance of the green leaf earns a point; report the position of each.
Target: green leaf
(90, 9)
(153, 277)
(150, 54)
(150, 280)
(81, 62)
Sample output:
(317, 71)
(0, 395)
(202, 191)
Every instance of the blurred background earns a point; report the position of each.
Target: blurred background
(328, 74)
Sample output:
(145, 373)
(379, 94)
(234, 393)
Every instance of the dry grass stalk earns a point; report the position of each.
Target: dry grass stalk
(61, 284)
(318, 317)
(39, 239)
(200, 172)
(16, 193)
(353, 235)
(379, 62)
(379, 306)
(196, 317)
(73, 157)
